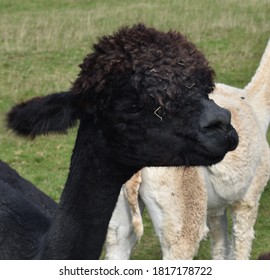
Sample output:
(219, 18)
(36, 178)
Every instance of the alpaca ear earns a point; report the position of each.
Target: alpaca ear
(41, 115)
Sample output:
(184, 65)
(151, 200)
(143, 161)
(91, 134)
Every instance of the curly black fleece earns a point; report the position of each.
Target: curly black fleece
(162, 65)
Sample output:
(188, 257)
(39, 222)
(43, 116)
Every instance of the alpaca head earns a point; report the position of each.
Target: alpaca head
(147, 91)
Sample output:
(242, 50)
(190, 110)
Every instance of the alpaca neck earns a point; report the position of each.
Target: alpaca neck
(258, 90)
(88, 200)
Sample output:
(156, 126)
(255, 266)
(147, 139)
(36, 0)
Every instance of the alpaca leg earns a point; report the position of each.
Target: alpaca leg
(182, 241)
(131, 190)
(176, 201)
(244, 212)
(126, 226)
(218, 230)
(244, 216)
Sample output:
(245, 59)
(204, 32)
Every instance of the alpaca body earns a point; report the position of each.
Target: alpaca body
(228, 181)
(236, 182)
(247, 179)
(26, 205)
(175, 232)
(115, 97)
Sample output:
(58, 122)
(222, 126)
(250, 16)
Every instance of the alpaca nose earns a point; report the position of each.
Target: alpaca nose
(215, 117)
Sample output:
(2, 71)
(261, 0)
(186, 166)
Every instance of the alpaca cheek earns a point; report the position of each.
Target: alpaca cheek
(120, 128)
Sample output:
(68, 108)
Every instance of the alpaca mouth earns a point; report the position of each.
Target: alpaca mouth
(214, 152)
(201, 159)
(233, 139)
(217, 143)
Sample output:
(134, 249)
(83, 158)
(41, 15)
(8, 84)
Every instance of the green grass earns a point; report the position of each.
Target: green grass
(42, 42)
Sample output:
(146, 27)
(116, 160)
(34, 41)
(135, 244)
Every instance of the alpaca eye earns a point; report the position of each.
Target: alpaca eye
(133, 108)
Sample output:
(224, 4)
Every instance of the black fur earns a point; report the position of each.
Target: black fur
(52, 113)
(142, 100)
(24, 209)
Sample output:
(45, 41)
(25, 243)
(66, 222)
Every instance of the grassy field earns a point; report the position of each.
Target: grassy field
(42, 42)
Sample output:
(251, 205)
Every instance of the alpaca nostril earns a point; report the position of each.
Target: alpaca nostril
(216, 117)
(220, 121)
(217, 125)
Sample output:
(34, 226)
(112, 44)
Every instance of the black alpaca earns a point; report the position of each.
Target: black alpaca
(141, 98)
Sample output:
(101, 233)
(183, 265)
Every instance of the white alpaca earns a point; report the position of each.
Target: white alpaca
(178, 212)
(176, 199)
